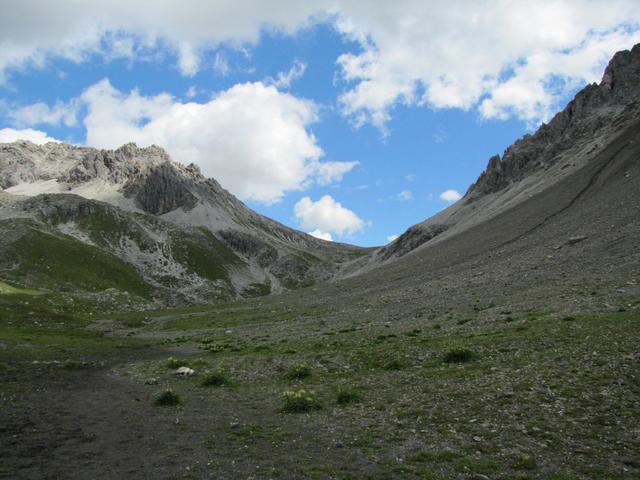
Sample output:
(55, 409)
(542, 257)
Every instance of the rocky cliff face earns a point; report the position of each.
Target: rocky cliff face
(585, 115)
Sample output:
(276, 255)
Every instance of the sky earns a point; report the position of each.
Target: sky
(350, 120)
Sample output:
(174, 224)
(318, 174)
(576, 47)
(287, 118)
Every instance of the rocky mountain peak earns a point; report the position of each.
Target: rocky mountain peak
(583, 116)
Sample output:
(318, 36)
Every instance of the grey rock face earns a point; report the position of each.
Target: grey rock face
(162, 190)
(410, 240)
(592, 107)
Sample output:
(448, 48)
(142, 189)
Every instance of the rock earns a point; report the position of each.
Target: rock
(411, 239)
(577, 239)
(184, 372)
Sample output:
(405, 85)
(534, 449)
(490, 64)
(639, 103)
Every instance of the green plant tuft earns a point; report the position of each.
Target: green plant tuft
(345, 397)
(167, 398)
(298, 372)
(459, 356)
(173, 363)
(393, 365)
(299, 401)
(216, 378)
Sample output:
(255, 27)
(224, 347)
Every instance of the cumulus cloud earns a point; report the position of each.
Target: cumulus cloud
(391, 238)
(34, 32)
(42, 114)
(507, 58)
(327, 215)
(503, 58)
(330, 172)
(321, 235)
(450, 196)
(252, 138)
(36, 136)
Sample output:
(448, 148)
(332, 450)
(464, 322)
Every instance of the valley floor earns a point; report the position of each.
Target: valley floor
(394, 389)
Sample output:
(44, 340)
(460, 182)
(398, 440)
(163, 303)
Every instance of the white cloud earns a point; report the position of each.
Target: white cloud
(321, 235)
(252, 138)
(391, 238)
(34, 32)
(36, 136)
(285, 79)
(405, 195)
(330, 172)
(191, 92)
(410, 177)
(327, 215)
(40, 113)
(450, 196)
(504, 58)
(495, 55)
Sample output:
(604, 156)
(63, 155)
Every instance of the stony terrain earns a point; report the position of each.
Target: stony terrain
(495, 341)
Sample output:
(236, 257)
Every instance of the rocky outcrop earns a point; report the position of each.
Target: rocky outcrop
(161, 190)
(410, 240)
(591, 108)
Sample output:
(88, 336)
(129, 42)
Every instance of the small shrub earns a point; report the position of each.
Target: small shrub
(217, 378)
(394, 364)
(299, 401)
(525, 462)
(298, 372)
(345, 397)
(167, 398)
(459, 356)
(71, 364)
(173, 363)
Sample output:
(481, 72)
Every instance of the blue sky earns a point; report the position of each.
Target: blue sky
(345, 119)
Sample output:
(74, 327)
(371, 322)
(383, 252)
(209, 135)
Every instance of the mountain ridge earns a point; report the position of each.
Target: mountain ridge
(571, 139)
(143, 184)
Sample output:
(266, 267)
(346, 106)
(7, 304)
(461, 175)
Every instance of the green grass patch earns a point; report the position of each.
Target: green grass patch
(63, 263)
(347, 397)
(6, 289)
(299, 401)
(298, 372)
(167, 398)
(215, 378)
(482, 465)
(459, 355)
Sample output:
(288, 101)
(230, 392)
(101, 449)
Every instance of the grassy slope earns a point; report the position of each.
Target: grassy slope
(59, 262)
(203, 254)
(6, 289)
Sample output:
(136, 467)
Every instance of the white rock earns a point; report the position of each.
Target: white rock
(184, 371)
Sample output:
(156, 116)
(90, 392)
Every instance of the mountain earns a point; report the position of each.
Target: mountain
(135, 221)
(132, 221)
(568, 147)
